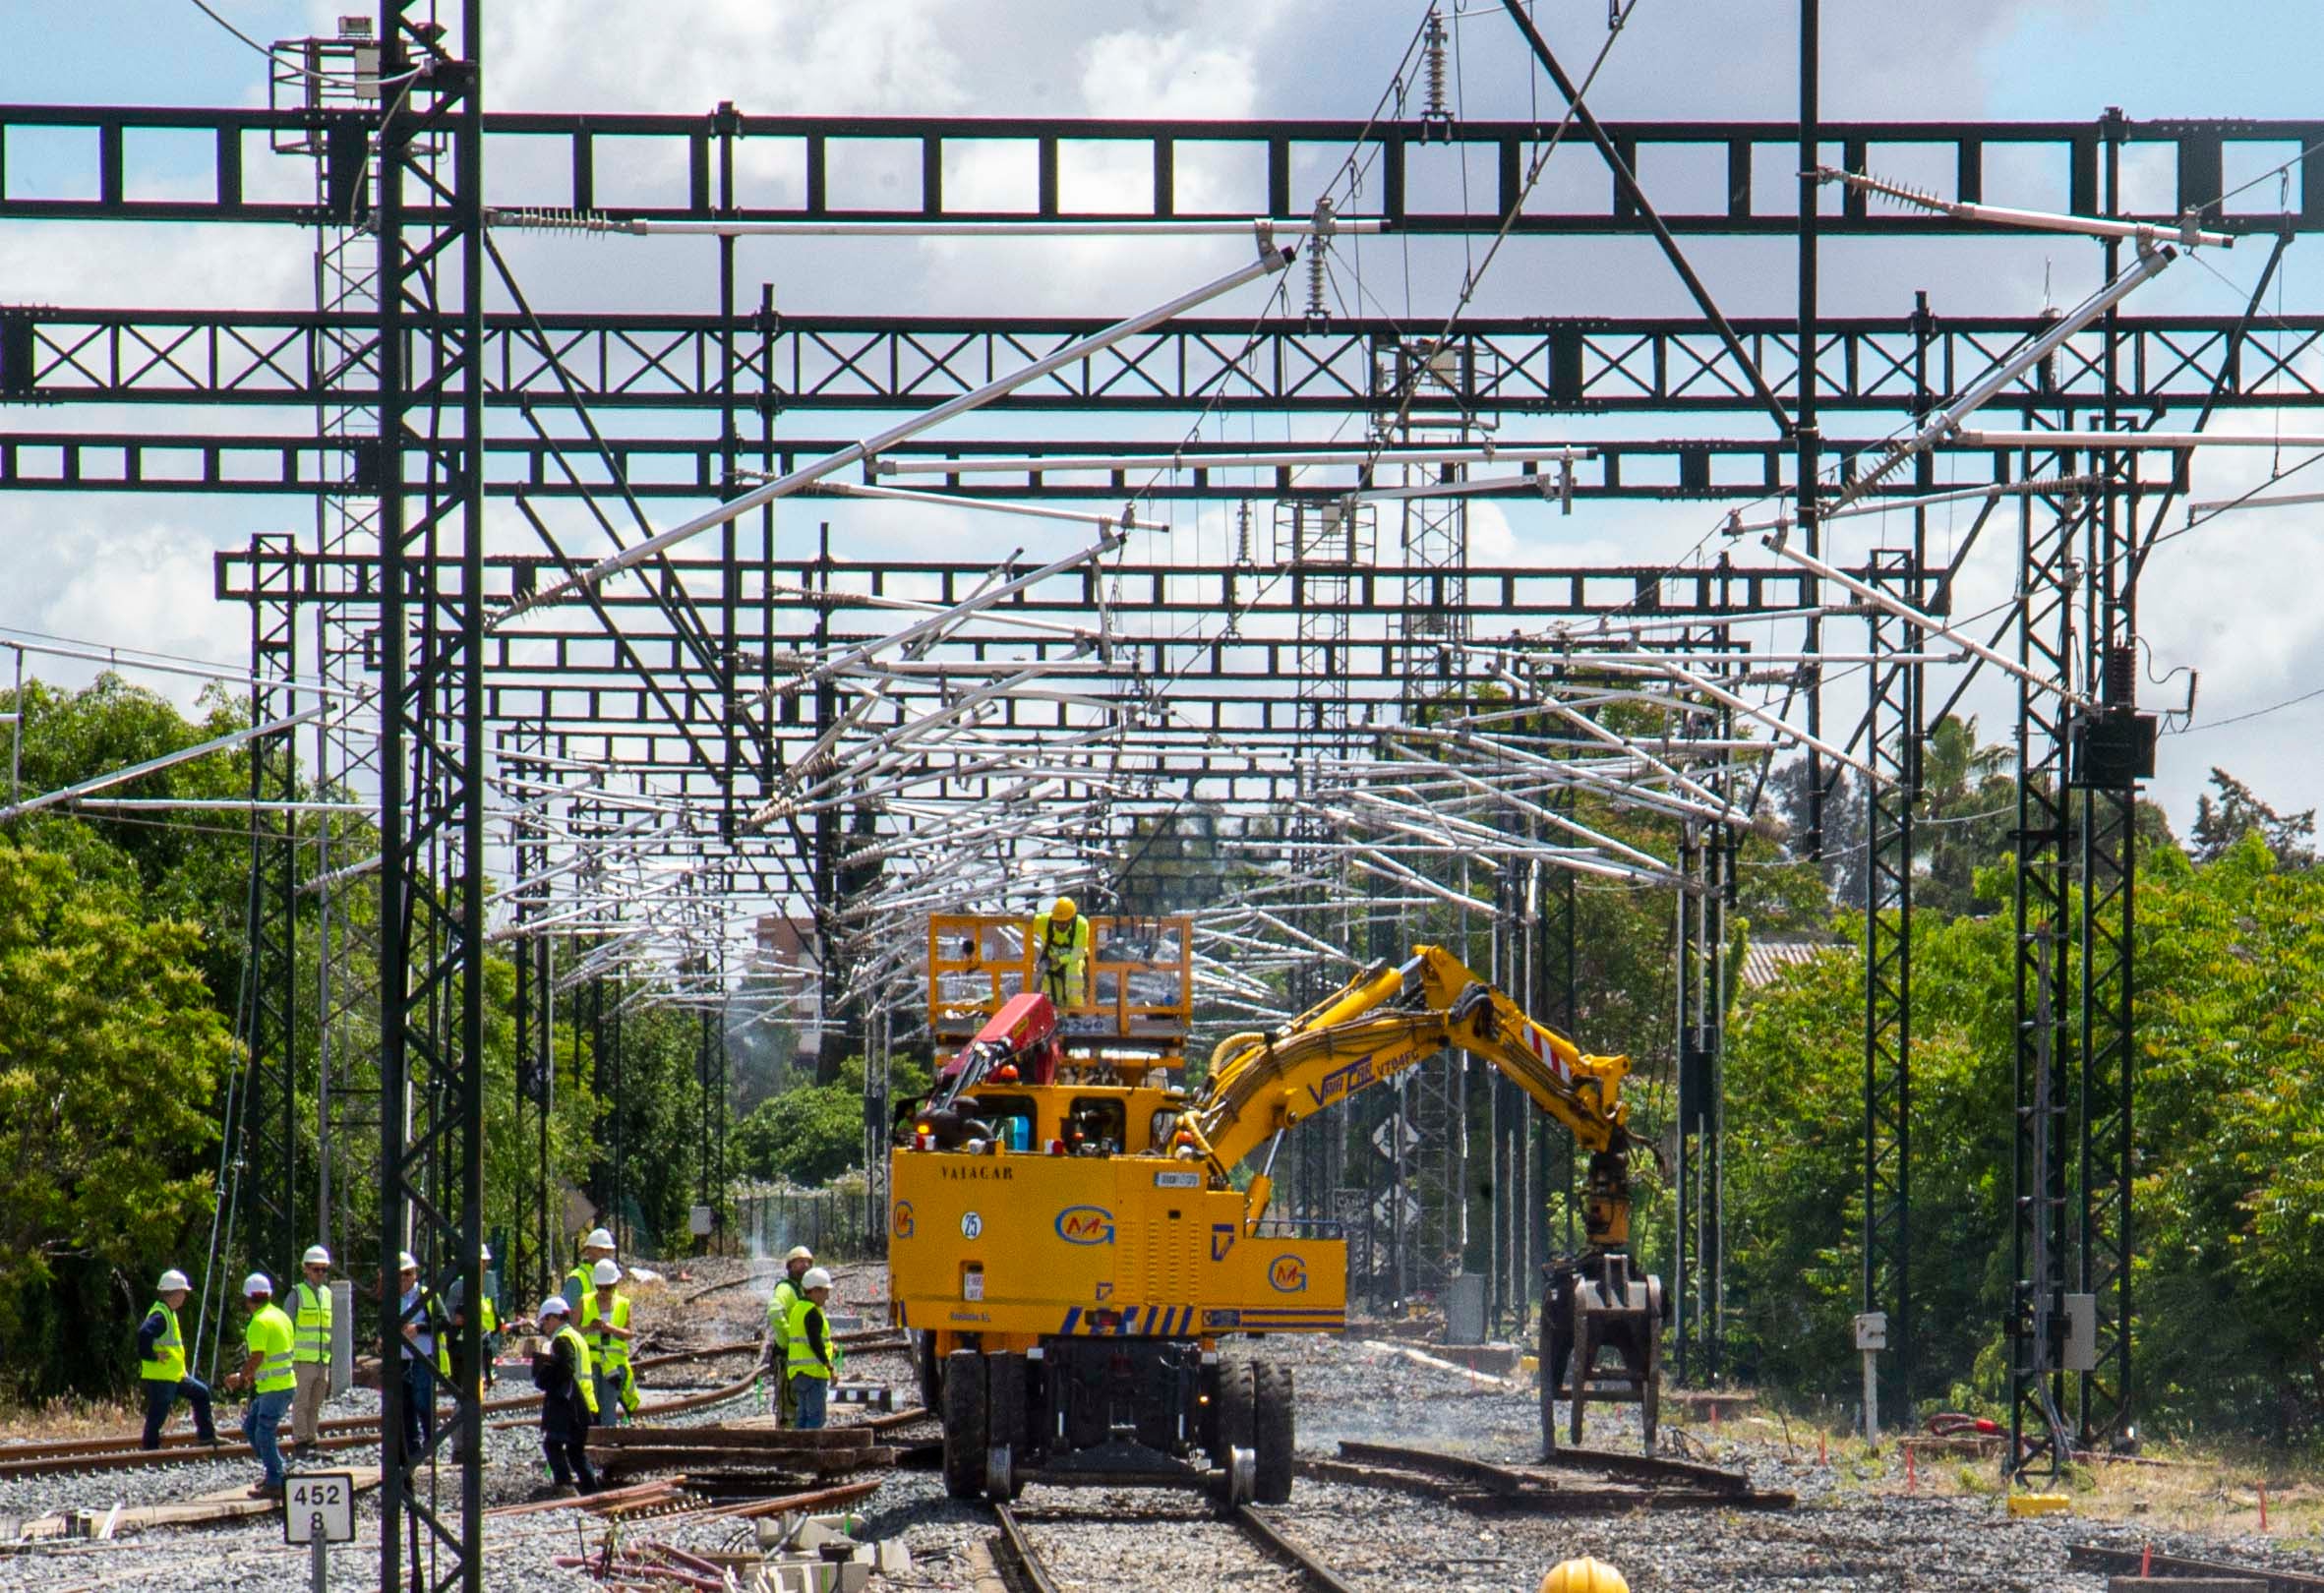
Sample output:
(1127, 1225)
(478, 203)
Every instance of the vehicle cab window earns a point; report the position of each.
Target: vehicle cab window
(1011, 1117)
(1096, 1125)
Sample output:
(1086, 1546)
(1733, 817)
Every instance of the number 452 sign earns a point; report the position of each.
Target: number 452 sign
(319, 1505)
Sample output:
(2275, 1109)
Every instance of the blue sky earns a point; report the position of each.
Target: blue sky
(121, 569)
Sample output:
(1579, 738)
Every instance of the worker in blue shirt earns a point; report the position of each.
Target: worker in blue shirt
(418, 1313)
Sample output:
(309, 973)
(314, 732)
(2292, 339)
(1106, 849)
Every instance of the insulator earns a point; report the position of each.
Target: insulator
(1243, 535)
(1317, 309)
(1437, 109)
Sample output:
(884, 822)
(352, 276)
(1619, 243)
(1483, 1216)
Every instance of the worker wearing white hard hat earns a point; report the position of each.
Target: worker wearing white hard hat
(161, 1362)
(266, 1374)
(816, 1356)
(569, 1397)
(603, 1321)
(1061, 946)
(596, 1247)
(309, 1320)
(419, 1317)
(776, 1351)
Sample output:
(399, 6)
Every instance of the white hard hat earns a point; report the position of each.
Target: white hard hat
(799, 1252)
(816, 1279)
(174, 1280)
(599, 1239)
(407, 1261)
(553, 1306)
(257, 1283)
(484, 1253)
(605, 1272)
(315, 1256)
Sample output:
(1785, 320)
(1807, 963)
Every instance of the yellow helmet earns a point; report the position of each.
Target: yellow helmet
(1063, 908)
(1584, 1576)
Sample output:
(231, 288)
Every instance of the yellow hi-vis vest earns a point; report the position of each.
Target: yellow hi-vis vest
(313, 1324)
(171, 1350)
(778, 1314)
(802, 1353)
(1070, 951)
(270, 1336)
(582, 1376)
(612, 1353)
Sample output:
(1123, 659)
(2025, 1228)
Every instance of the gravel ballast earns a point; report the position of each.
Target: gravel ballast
(1852, 1529)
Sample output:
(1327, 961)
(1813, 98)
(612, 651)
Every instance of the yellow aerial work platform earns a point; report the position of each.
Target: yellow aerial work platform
(1137, 990)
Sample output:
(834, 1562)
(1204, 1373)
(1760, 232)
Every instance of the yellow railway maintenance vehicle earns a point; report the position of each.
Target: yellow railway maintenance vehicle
(1069, 1247)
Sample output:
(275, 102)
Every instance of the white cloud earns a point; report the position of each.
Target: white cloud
(135, 581)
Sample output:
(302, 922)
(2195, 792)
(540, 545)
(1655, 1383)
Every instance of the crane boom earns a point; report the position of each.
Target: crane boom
(1384, 1021)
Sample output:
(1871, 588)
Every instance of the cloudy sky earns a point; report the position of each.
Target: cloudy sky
(2225, 599)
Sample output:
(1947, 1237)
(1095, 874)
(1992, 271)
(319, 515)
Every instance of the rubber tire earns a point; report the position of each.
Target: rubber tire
(1277, 1416)
(961, 1406)
(1004, 1413)
(1238, 1422)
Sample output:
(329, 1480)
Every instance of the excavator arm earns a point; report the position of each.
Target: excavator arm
(1384, 1021)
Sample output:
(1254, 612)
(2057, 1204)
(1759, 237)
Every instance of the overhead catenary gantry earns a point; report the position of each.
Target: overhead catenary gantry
(618, 720)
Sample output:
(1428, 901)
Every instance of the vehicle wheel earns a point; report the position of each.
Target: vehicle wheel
(1277, 1416)
(961, 1406)
(923, 1362)
(1004, 1417)
(1237, 1416)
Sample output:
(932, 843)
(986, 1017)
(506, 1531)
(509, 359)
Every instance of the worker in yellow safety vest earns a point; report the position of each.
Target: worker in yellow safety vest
(599, 1246)
(161, 1364)
(777, 1352)
(1062, 945)
(310, 1301)
(267, 1374)
(569, 1405)
(816, 1356)
(605, 1324)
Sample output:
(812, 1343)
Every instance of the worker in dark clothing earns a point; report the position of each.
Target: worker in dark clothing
(560, 1370)
(161, 1364)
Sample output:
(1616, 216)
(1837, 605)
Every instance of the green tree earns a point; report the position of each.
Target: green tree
(111, 1054)
(813, 1133)
(2219, 826)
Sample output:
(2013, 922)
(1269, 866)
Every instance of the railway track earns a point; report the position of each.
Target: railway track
(1569, 1481)
(120, 1453)
(1209, 1544)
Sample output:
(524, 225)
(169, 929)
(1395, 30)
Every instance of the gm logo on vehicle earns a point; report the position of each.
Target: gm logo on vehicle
(1287, 1274)
(1085, 1225)
(899, 1221)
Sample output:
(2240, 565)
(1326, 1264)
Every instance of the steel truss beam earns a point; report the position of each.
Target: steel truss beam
(270, 1173)
(432, 870)
(1892, 742)
(666, 467)
(1706, 176)
(765, 362)
(2037, 1434)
